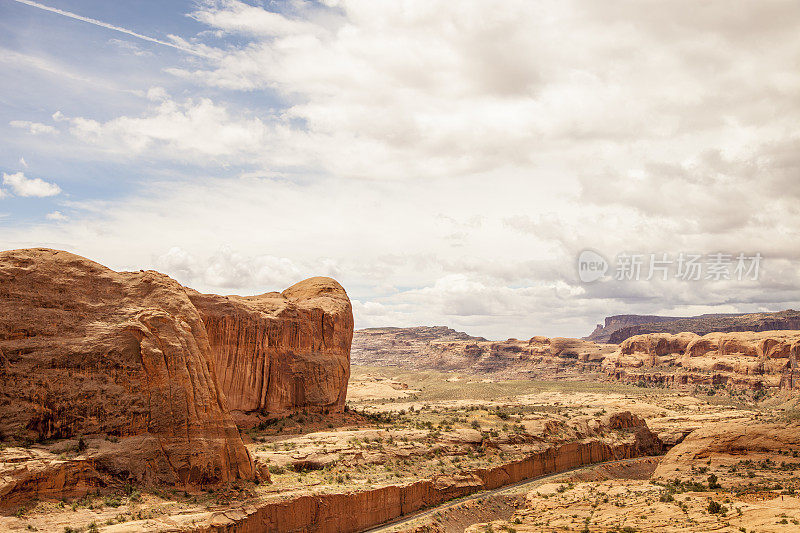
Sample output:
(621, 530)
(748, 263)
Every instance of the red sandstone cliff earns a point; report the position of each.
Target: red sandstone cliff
(146, 370)
(743, 359)
(357, 511)
(279, 352)
(87, 350)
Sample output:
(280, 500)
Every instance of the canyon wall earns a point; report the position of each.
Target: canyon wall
(622, 327)
(602, 333)
(726, 441)
(356, 511)
(754, 360)
(281, 352)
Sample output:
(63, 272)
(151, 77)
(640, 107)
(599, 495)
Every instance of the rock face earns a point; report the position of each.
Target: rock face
(752, 360)
(89, 350)
(442, 348)
(621, 327)
(280, 352)
(139, 366)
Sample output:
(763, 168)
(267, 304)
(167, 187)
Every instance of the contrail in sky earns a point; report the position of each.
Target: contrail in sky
(107, 25)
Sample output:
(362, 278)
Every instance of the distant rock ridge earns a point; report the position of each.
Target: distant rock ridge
(620, 327)
(443, 348)
(602, 333)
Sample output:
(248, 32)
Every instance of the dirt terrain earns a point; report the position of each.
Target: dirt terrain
(457, 439)
(724, 477)
(425, 437)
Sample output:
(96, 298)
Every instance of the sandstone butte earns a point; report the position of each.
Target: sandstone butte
(152, 369)
(755, 360)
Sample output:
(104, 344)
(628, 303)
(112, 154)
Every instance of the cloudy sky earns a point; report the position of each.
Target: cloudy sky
(445, 161)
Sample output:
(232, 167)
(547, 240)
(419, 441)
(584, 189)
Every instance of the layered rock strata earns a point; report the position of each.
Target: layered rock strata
(356, 511)
(753, 360)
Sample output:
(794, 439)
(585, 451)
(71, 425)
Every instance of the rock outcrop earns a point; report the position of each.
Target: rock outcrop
(730, 442)
(442, 348)
(137, 368)
(280, 352)
(753, 360)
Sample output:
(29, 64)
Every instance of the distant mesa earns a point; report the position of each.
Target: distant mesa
(620, 327)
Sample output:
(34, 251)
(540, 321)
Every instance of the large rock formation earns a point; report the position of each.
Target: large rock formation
(280, 352)
(621, 327)
(752, 360)
(443, 348)
(138, 366)
(86, 350)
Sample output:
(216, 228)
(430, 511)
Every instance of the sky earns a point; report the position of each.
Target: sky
(447, 162)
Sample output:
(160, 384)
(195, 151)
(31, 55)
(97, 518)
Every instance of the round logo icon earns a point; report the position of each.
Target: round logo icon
(591, 266)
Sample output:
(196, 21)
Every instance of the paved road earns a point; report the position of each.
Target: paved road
(387, 526)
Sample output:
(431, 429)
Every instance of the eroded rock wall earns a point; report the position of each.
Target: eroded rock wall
(351, 512)
(89, 350)
(754, 360)
(147, 370)
(280, 352)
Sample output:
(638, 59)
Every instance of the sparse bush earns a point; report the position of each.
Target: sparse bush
(716, 508)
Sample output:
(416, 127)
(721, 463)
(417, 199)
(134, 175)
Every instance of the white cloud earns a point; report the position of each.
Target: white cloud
(57, 216)
(34, 128)
(23, 186)
(194, 128)
(447, 161)
(227, 269)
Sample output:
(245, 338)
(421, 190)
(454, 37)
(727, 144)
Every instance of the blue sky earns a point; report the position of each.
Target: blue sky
(447, 163)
